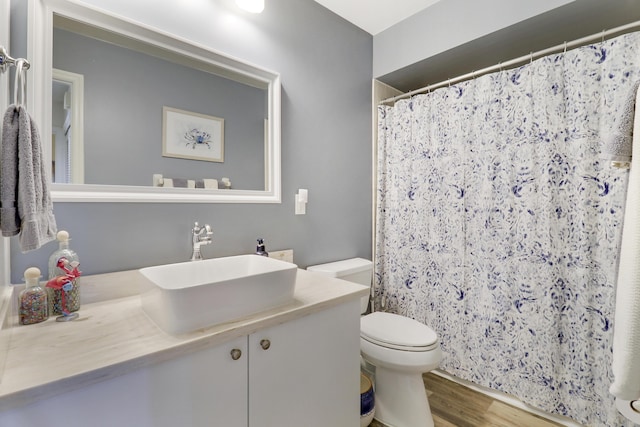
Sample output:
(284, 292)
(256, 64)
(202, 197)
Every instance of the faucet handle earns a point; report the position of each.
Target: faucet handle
(205, 228)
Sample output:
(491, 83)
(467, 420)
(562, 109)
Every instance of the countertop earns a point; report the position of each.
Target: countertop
(113, 336)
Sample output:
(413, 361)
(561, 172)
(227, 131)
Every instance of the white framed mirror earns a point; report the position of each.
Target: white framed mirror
(123, 157)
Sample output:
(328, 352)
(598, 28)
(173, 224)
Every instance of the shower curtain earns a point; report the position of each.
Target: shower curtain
(499, 223)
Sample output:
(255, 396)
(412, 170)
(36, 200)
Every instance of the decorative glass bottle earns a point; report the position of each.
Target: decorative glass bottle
(64, 289)
(33, 299)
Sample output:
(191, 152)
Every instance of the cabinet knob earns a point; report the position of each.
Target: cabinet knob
(236, 354)
(265, 344)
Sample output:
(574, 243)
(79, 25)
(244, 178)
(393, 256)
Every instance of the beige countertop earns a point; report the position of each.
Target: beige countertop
(113, 336)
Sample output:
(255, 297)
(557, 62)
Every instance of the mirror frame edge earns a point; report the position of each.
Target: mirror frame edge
(39, 77)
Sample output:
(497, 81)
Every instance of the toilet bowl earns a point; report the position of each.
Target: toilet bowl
(399, 348)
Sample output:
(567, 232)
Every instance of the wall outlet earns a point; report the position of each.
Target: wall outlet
(284, 255)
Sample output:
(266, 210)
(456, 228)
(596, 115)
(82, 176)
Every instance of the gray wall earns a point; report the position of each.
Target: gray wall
(325, 65)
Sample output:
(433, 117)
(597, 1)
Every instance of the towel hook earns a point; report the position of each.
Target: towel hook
(5, 60)
(20, 82)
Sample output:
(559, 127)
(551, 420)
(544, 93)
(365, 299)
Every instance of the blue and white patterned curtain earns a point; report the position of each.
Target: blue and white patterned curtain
(499, 224)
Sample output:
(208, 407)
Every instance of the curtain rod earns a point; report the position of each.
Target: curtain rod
(530, 57)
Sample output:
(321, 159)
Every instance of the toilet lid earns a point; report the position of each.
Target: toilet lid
(395, 331)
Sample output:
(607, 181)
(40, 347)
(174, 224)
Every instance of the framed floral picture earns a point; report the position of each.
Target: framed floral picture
(189, 135)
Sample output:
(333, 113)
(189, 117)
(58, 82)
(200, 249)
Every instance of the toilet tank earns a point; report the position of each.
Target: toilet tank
(358, 270)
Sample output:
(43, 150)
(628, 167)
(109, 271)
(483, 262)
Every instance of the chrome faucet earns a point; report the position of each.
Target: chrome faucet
(200, 236)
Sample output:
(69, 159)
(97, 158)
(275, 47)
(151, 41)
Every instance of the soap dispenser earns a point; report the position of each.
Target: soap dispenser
(260, 249)
(34, 307)
(64, 290)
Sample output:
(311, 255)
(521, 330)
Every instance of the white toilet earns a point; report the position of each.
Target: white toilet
(400, 348)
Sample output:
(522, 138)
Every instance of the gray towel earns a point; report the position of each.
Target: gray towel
(26, 207)
(617, 138)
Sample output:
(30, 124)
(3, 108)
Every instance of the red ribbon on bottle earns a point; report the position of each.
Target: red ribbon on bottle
(64, 282)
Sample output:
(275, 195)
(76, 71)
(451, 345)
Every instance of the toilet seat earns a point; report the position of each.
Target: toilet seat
(397, 332)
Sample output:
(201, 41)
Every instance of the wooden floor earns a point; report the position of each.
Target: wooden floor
(453, 405)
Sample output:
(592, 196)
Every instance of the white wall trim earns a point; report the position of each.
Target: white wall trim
(5, 261)
(379, 91)
(5, 12)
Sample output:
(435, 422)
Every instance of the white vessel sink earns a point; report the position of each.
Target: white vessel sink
(187, 296)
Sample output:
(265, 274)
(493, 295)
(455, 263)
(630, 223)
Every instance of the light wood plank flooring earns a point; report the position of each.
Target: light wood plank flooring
(454, 405)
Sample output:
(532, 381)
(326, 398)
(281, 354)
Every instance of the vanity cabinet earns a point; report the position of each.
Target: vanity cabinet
(303, 372)
(310, 374)
(189, 390)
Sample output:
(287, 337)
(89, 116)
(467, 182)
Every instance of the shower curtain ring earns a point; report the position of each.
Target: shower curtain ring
(531, 58)
(565, 47)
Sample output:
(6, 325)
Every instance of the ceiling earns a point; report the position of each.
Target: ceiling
(374, 16)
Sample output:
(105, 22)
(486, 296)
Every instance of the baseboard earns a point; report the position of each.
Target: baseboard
(508, 399)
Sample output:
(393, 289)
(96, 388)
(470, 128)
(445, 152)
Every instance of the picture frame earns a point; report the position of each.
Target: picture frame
(189, 135)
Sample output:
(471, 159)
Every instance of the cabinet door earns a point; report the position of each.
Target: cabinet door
(310, 373)
(206, 388)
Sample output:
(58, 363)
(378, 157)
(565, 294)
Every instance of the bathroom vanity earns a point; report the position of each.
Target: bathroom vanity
(291, 366)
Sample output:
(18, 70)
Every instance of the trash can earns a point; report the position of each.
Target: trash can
(367, 401)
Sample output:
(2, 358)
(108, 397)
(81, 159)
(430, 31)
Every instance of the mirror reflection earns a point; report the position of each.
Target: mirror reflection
(119, 88)
(61, 132)
(67, 144)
